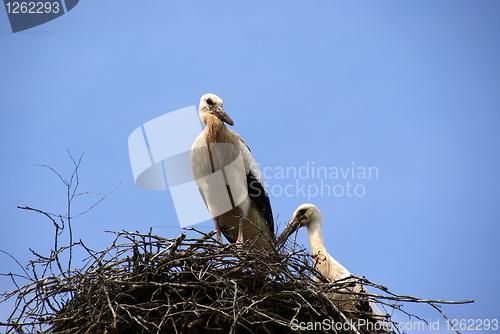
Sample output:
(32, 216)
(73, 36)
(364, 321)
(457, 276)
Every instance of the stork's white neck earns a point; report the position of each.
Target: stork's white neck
(330, 268)
(316, 236)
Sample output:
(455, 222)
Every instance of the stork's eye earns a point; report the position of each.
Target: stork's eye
(302, 211)
(210, 102)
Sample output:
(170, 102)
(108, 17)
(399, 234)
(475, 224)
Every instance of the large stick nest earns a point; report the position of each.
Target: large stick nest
(144, 283)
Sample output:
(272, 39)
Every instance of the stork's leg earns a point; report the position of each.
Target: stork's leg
(240, 228)
(218, 263)
(217, 229)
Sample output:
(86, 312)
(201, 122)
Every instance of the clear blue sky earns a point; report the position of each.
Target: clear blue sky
(411, 88)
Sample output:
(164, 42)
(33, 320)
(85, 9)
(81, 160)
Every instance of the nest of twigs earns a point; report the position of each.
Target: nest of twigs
(148, 284)
(144, 283)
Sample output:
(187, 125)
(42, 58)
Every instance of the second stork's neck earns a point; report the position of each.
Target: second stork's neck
(334, 270)
(316, 236)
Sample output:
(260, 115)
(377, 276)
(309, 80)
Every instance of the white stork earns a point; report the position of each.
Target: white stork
(249, 218)
(308, 215)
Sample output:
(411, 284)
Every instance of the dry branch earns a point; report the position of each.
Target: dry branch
(144, 283)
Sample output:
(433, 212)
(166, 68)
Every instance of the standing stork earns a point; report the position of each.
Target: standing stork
(308, 215)
(249, 219)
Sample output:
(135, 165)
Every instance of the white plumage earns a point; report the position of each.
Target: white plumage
(308, 215)
(219, 150)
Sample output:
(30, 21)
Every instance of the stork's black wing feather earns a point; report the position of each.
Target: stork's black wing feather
(259, 196)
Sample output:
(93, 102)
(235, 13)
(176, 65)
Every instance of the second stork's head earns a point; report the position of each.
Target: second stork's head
(307, 215)
(211, 106)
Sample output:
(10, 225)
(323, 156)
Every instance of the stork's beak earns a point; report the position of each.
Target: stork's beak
(221, 114)
(296, 224)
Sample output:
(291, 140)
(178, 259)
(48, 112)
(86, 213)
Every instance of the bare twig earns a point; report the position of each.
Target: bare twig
(151, 284)
(145, 283)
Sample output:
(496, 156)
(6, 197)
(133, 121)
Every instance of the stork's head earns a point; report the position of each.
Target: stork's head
(211, 106)
(307, 215)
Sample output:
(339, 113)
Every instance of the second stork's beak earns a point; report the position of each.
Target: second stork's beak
(295, 224)
(221, 114)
